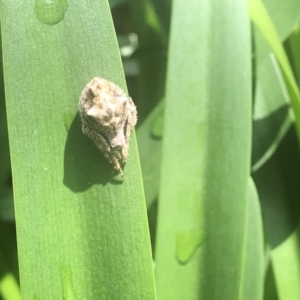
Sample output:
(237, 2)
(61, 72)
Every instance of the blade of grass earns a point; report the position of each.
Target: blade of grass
(4, 146)
(286, 267)
(262, 21)
(82, 233)
(284, 14)
(293, 45)
(149, 137)
(271, 118)
(203, 207)
(253, 277)
(277, 183)
(271, 112)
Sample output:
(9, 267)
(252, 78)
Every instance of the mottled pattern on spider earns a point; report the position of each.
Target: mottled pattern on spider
(108, 116)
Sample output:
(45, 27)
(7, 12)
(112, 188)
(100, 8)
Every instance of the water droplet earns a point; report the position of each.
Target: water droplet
(187, 242)
(158, 125)
(50, 12)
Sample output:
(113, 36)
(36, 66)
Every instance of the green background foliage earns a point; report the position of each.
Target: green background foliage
(209, 205)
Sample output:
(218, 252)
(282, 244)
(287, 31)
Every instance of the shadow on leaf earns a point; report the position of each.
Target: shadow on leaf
(84, 164)
(277, 183)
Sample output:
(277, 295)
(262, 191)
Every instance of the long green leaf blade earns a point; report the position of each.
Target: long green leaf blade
(253, 261)
(284, 14)
(203, 201)
(149, 138)
(262, 21)
(82, 233)
(277, 185)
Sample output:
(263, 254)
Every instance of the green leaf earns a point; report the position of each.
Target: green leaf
(153, 38)
(272, 119)
(4, 146)
(82, 233)
(285, 15)
(203, 205)
(277, 183)
(263, 22)
(285, 259)
(276, 173)
(253, 259)
(293, 45)
(149, 137)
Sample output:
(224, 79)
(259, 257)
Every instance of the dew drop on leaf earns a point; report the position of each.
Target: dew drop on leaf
(50, 12)
(187, 243)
